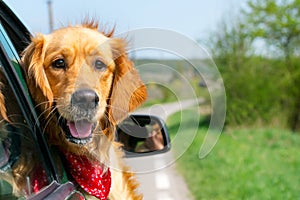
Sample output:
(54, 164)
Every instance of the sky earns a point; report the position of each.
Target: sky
(191, 17)
(195, 19)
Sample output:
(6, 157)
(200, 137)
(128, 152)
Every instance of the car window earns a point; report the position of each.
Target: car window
(23, 170)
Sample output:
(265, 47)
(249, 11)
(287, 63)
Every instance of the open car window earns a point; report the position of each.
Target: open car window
(23, 169)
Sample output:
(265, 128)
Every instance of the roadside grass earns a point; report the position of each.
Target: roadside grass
(245, 164)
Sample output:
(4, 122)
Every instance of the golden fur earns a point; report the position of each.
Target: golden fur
(119, 88)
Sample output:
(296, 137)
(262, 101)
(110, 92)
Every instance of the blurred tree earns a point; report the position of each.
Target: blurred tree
(248, 94)
(230, 44)
(277, 22)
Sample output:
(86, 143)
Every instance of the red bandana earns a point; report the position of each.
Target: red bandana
(89, 175)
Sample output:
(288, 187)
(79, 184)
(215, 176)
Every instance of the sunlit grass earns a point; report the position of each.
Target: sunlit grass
(245, 164)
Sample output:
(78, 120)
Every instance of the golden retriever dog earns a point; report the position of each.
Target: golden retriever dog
(83, 84)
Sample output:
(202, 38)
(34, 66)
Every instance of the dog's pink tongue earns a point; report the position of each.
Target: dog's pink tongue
(80, 129)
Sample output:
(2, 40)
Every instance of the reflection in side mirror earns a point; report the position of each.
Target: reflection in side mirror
(143, 135)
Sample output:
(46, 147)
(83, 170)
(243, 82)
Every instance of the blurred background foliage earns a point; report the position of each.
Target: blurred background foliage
(258, 55)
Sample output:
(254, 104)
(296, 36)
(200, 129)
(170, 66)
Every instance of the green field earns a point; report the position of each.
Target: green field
(245, 164)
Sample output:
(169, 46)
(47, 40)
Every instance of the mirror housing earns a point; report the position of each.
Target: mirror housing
(143, 135)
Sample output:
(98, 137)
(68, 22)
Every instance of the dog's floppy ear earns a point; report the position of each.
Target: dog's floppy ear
(32, 62)
(128, 91)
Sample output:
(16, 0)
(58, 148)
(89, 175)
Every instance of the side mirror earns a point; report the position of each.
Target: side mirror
(143, 135)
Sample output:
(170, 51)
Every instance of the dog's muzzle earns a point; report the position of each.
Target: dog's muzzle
(84, 103)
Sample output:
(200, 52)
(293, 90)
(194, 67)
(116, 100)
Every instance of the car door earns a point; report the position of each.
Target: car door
(26, 162)
(20, 140)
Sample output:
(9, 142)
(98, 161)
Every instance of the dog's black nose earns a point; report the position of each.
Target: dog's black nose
(85, 99)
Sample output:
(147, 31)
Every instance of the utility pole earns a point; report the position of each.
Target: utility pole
(50, 12)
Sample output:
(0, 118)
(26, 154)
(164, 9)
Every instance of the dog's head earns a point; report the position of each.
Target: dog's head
(84, 78)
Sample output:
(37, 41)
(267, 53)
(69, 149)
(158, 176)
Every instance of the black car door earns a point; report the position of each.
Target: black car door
(25, 159)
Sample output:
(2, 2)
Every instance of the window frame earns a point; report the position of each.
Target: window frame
(17, 38)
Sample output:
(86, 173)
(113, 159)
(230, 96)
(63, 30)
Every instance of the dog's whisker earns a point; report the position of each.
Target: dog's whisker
(44, 111)
(44, 103)
(41, 116)
(49, 116)
(49, 109)
(48, 122)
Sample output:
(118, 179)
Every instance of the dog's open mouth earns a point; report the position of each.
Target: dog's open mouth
(80, 129)
(78, 132)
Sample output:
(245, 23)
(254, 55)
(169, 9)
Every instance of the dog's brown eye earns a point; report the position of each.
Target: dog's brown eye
(59, 63)
(100, 65)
